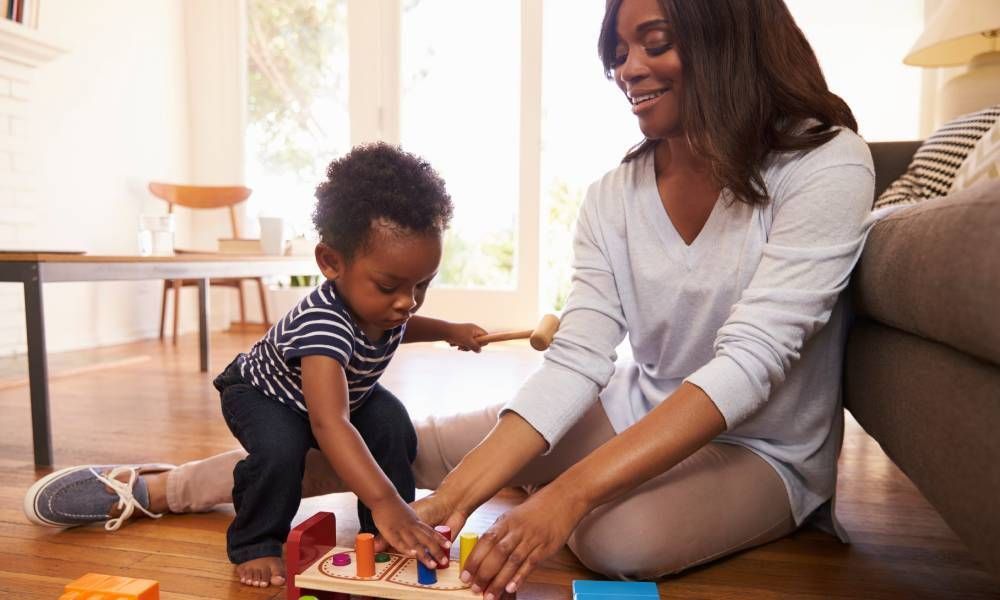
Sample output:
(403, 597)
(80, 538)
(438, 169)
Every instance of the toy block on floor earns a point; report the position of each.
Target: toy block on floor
(111, 587)
(614, 590)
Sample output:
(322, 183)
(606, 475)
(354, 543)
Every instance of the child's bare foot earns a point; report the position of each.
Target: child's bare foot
(262, 572)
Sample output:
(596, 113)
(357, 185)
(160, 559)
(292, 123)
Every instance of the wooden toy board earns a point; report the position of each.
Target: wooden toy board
(394, 579)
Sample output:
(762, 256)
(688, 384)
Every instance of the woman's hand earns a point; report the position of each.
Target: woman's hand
(434, 509)
(519, 540)
(463, 335)
(402, 529)
(437, 510)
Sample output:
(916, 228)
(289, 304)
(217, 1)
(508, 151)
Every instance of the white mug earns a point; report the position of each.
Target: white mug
(272, 235)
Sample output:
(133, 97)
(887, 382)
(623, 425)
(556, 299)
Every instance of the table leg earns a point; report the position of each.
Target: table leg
(38, 371)
(203, 341)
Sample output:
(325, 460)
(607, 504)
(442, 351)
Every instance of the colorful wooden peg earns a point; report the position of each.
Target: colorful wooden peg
(364, 553)
(467, 541)
(445, 531)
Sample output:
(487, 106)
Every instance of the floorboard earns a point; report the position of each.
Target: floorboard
(160, 408)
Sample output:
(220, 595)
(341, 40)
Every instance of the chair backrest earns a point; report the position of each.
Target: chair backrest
(202, 196)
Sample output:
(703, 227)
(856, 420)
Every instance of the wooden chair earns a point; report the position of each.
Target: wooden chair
(197, 197)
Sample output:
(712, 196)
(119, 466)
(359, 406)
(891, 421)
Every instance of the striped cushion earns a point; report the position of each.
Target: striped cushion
(983, 162)
(932, 172)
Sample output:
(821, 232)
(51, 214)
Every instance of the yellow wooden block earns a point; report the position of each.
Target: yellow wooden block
(95, 586)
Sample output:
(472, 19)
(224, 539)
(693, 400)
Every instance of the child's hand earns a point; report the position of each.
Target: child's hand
(399, 525)
(464, 336)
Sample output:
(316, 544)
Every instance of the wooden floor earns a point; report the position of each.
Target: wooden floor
(163, 409)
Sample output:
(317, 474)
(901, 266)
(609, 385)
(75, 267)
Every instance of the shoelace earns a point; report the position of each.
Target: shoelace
(126, 501)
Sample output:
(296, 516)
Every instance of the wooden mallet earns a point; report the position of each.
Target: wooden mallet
(540, 337)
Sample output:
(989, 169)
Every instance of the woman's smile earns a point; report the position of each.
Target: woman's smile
(642, 101)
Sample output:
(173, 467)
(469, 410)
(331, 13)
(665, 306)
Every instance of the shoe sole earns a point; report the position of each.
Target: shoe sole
(31, 496)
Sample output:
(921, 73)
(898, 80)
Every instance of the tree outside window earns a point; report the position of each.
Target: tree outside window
(298, 118)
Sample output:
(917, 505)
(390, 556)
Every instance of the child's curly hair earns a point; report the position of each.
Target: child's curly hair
(378, 182)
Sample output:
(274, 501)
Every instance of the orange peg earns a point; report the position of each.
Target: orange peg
(364, 552)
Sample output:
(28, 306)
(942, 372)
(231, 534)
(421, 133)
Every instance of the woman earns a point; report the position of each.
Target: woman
(720, 246)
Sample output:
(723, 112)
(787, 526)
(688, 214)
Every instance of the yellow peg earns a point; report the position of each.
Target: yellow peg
(467, 541)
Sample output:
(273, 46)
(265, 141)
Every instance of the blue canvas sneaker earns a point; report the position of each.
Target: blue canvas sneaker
(88, 494)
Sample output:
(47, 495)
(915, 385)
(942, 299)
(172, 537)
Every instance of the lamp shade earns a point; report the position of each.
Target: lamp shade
(958, 31)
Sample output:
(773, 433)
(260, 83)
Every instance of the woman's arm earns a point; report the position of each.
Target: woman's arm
(488, 467)
(529, 533)
(426, 329)
(324, 386)
(674, 430)
(581, 359)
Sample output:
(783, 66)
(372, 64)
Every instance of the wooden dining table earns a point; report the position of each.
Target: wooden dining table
(32, 269)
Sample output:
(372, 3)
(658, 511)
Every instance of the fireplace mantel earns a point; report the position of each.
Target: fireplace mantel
(25, 46)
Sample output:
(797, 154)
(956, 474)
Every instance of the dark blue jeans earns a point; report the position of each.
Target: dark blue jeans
(267, 484)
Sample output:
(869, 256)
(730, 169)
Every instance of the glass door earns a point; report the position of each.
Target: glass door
(462, 107)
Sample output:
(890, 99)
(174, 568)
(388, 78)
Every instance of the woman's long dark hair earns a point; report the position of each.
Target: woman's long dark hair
(751, 84)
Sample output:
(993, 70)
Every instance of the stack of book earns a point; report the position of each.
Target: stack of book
(21, 11)
(240, 246)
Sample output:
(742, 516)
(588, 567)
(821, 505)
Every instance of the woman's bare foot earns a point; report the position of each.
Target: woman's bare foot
(156, 485)
(262, 572)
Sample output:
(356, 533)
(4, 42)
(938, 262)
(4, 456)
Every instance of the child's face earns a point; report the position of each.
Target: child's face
(385, 284)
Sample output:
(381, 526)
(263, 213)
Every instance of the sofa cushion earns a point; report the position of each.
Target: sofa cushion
(933, 270)
(932, 171)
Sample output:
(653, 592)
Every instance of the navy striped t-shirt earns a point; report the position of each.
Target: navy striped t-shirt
(320, 324)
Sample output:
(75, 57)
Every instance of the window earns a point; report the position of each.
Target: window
(587, 127)
(460, 110)
(298, 117)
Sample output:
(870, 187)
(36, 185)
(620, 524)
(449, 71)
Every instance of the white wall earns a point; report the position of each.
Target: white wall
(105, 118)
(868, 71)
(934, 79)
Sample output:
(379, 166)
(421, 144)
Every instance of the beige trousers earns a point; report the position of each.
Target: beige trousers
(722, 499)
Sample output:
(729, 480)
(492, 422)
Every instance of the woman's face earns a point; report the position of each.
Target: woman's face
(647, 67)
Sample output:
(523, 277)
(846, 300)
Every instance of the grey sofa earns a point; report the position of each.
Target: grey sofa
(922, 371)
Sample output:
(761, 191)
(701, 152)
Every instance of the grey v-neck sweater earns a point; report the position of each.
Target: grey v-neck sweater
(749, 312)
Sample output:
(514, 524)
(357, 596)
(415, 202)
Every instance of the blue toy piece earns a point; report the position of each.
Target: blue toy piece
(426, 576)
(611, 597)
(614, 590)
